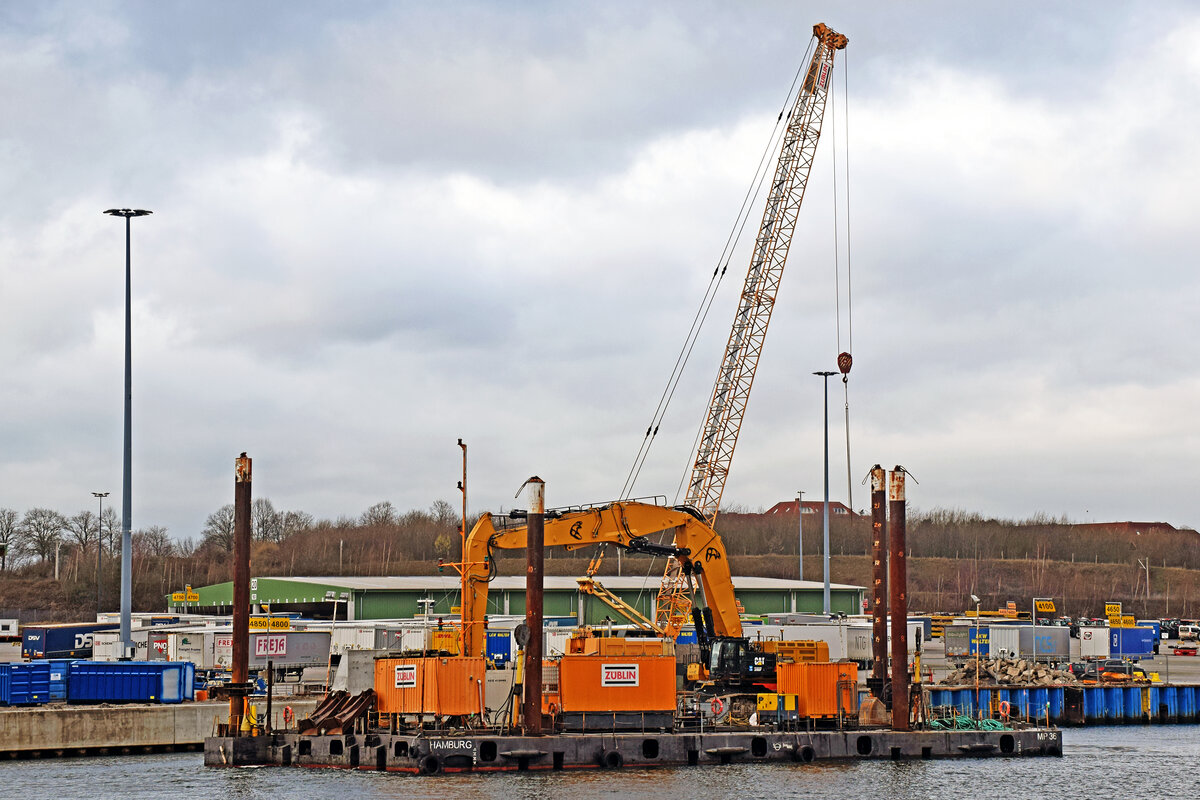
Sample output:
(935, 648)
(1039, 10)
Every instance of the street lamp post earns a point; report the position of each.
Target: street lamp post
(99, 549)
(826, 375)
(127, 481)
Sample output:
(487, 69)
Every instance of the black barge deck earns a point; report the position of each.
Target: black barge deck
(433, 754)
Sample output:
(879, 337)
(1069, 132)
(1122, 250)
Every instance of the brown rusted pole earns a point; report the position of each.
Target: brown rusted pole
(898, 584)
(534, 548)
(879, 592)
(240, 669)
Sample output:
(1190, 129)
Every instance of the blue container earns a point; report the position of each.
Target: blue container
(979, 641)
(60, 669)
(499, 647)
(1093, 704)
(1114, 703)
(131, 682)
(24, 684)
(1133, 703)
(1131, 642)
(1056, 696)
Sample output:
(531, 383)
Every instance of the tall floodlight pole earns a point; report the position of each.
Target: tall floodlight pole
(127, 481)
(99, 550)
(826, 375)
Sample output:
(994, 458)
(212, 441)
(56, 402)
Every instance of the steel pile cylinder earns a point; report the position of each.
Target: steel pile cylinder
(898, 583)
(240, 668)
(534, 581)
(879, 596)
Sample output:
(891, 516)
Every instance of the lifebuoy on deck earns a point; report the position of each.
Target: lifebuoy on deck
(717, 706)
(1005, 708)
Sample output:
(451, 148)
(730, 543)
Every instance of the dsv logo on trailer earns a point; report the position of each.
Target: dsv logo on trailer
(406, 676)
(83, 640)
(619, 675)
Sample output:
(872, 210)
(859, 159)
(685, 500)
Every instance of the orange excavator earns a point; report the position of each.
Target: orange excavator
(627, 525)
(732, 666)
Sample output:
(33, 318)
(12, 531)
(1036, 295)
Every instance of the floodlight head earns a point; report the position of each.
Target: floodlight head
(975, 599)
(127, 212)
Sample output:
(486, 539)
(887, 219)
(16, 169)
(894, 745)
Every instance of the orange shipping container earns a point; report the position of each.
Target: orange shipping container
(445, 686)
(625, 646)
(617, 683)
(817, 687)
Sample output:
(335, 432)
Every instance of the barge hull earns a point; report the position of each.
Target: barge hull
(433, 755)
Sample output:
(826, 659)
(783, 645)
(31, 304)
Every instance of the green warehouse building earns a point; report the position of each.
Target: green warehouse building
(367, 598)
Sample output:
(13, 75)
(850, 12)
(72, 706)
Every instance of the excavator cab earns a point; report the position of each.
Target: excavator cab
(733, 662)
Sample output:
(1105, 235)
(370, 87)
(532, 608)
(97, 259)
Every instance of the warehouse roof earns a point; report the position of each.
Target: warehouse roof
(449, 582)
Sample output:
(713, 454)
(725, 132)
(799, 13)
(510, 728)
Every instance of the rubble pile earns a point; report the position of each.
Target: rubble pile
(1007, 672)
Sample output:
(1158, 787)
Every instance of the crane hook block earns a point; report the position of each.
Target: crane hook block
(845, 362)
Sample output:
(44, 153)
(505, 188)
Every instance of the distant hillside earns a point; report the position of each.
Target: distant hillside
(952, 554)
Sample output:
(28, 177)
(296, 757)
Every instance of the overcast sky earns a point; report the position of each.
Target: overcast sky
(380, 227)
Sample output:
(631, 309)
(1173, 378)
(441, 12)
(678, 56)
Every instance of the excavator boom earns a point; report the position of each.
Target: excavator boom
(624, 524)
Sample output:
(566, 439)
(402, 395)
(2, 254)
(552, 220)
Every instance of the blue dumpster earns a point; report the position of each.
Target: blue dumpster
(25, 684)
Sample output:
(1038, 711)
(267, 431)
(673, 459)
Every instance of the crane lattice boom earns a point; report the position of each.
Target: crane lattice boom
(731, 391)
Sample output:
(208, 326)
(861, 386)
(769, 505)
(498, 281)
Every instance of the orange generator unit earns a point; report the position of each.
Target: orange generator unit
(616, 691)
(823, 690)
(442, 686)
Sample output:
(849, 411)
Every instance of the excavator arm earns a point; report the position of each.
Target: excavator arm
(625, 524)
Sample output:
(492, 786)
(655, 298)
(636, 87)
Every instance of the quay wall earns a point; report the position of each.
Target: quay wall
(78, 730)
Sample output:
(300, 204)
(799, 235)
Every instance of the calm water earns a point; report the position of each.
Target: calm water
(1119, 762)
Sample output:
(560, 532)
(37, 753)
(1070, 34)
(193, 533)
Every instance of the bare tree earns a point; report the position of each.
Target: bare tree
(42, 530)
(444, 514)
(110, 524)
(185, 547)
(152, 541)
(292, 522)
(218, 528)
(380, 514)
(82, 529)
(265, 523)
(9, 535)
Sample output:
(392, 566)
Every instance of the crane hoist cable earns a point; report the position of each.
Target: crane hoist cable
(742, 219)
(735, 377)
(844, 360)
(731, 242)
